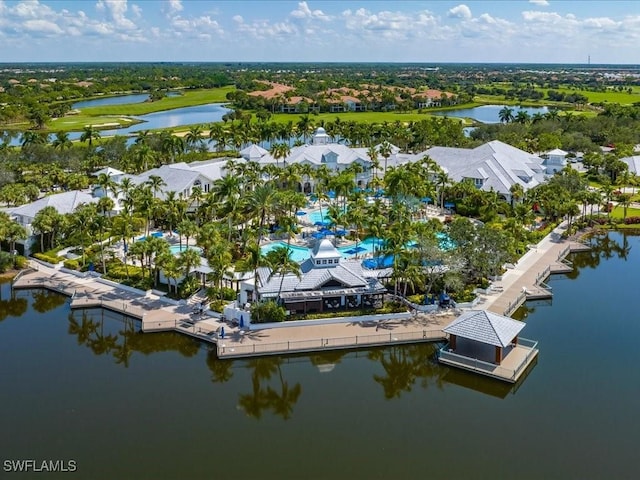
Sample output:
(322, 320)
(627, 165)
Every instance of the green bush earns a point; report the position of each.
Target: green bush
(21, 262)
(266, 312)
(188, 287)
(467, 295)
(224, 293)
(46, 258)
(72, 264)
(6, 261)
(218, 306)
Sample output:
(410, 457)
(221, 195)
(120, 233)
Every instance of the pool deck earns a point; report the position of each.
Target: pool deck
(522, 282)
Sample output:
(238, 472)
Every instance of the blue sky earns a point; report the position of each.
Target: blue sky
(539, 31)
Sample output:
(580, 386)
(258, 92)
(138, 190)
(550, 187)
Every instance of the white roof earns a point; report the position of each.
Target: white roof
(485, 327)
(325, 249)
(500, 165)
(253, 152)
(108, 171)
(558, 152)
(64, 203)
(633, 163)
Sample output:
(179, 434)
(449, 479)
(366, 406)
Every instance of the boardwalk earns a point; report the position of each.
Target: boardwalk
(525, 281)
(157, 313)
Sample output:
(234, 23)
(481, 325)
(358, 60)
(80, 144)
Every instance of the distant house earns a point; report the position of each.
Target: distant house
(64, 203)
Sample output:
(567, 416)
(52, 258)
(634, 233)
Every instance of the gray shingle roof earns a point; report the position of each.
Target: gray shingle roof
(485, 327)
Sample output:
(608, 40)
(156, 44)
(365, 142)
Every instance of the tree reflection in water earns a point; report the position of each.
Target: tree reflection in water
(13, 306)
(90, 332)
(404, 365)
(45, 301)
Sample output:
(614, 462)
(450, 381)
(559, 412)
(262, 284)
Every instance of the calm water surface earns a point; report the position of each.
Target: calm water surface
(86, 385)
(490, 113)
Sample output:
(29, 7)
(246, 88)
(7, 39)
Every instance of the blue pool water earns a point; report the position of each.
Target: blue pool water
(318, 215)
(176, 249)
(300, 254)
(367, 246)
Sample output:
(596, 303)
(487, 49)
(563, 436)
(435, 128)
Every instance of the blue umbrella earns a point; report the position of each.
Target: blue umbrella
(241, 321)
(323, 223)
(221, 332)
(317, 235)
(449, 205)
(331, 194)
(426, 199)
(300, 213)
(341, 232)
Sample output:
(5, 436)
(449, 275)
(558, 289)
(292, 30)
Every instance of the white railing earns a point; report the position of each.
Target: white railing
(330, 343)
(490, 368)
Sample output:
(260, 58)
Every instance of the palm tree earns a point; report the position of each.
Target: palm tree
(385, 151)
(89, 134)
(506, 114)
(280, 263)
(189, 259)
(280, 151)
(61, 142)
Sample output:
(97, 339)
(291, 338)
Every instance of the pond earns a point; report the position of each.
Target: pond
(490, 113)
(200, 114)
(118, 100)
(89, 386)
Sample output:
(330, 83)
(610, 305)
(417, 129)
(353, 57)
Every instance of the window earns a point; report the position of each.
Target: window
(324, 262)
(478, 182)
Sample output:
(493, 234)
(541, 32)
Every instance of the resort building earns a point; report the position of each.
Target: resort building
(181, 178)
(64, 203)
(492, 166)
(321, 151)
(327, 282)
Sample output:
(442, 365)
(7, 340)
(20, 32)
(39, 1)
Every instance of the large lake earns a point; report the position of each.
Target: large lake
(490, 113)
(200, 114)
(87, 386)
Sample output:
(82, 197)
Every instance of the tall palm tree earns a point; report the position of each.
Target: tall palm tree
(89, 134)
(61, 141)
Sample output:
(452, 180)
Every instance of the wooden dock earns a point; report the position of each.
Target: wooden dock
(525, 281)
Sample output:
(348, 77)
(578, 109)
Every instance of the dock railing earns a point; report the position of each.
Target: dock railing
(237, 348)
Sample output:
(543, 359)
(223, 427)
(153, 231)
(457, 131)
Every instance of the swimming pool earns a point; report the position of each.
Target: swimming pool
(300, 254)
(176, 249)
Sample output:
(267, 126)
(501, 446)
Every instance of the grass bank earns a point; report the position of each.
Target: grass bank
(190, 98)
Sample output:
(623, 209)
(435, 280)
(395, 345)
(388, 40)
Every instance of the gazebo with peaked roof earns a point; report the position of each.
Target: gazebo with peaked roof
(488, 343)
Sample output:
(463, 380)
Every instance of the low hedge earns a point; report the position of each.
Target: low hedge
(389, 307)
(46, 258)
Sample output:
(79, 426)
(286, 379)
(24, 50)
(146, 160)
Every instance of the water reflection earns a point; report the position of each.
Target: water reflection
(11, 305)
(271, 389)
(106, 333)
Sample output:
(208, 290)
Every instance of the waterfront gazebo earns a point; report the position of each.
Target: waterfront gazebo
(488, 343)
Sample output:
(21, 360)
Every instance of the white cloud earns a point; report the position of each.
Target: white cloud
(174, 6)
(117, 10)
(42, 27)
(461, 11)
(541, 17)
(540, 3)
(303, 11)
(137, 11)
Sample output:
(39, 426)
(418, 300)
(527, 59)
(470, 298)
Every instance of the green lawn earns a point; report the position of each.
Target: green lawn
(610, 96)
(618, 212)
(361, 117)
(114, 116)
(188, 99)
(78, 122)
